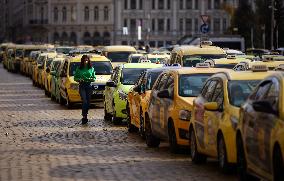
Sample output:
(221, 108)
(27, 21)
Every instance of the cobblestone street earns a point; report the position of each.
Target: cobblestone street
(42, 140)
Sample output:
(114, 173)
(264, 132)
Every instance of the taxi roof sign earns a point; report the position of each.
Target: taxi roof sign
(145, 61)
(202, 65)
(259, 68)
(231, 57)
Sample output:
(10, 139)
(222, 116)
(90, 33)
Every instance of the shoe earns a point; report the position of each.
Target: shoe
(84, 121)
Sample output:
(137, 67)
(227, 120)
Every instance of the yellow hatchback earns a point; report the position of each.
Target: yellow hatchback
(170, 105)
(215, 115)
(260, 132)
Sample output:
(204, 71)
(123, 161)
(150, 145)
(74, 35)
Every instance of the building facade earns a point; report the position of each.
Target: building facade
(104, 22)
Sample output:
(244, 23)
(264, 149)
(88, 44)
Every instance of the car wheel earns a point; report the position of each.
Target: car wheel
(222, 156)
(151, 140)
(107, 116)
(69, 104)
(62, 100)
(278, 165)
(116, 120)
(142, 129)
(195, 156)
(131, 127)
(241, 162)
(172, 138)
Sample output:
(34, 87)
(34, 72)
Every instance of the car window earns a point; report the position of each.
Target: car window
(162, 82)
(218, 95)
(272, 94)
(170, 85)
(210, 91)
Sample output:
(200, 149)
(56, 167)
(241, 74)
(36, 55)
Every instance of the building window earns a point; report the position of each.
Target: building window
(161, 4)
(133, 4)
(153, 25)
(64, 14)
(224, 24)
(216, 25)
(168, 25)
(106, 13)
(153, 4)
(55, 16)
(196, 25)
(96, 13)
(180, 4)
(41, 14)
(161, 25)
(169, 4)
(181, 25)
(196, 4)
(86, 13)
(160, 43)
(152, 44)
(73, 14)
(188, 25)
(217, 4)
(125, 4)
(140, 4)
(188, 4)
(133, 25)
(125, 23)
(209, 4)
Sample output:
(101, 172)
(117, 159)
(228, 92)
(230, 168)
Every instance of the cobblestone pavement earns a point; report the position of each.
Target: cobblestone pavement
(41, 140)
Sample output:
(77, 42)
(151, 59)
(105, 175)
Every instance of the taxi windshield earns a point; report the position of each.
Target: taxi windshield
(192, 60)
(130, 75)
(118, 56)
(191, 85)
(135, 59)
(48, 62)
(239, 90)
(40, 60)
(151, 78)
(101, 68)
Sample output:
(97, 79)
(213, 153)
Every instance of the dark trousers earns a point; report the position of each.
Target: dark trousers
(85, 91)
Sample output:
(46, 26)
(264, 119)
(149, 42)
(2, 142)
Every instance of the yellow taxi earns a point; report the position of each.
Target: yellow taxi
(229, 62)
(42, 68)
(118, 54)
(69, 89)
(170, 105)
(138, 99)
(9, 56)
(189, 56)
(215, 115)
(51, 63)
(260, 132)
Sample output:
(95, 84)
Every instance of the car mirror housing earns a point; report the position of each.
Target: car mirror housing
(211, 106)
(264, 107)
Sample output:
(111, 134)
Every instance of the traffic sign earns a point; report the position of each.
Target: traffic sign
(204, 28)
(205, 18)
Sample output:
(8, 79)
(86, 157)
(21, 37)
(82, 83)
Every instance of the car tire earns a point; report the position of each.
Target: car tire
(107, 116)
(196, 157)
(151, 140)
(141, 128)
(222, 156)
(62, 100)
(116, 120)
(172, 138)
(241, 162)
(278, 164)
(69, 104)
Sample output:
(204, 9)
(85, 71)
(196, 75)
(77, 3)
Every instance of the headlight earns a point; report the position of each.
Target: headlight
(234, 121)
(74, 86)
(122, 95)
(185, 115)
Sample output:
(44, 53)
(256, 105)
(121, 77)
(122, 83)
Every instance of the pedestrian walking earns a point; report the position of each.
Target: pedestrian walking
(85, 74)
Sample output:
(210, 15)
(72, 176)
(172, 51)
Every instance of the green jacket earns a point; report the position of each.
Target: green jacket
(85, 75)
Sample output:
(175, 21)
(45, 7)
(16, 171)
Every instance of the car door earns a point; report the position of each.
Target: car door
(155, 104)
(259, 128)
(137, 100)
(165, 104)
(212, 118)
(63, 77)
(109, 91)
(200, 116)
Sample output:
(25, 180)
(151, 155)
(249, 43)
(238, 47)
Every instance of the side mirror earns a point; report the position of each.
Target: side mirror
(264, 107)
(211, 106)
(47, 70)
(164, 94)
(111, 84)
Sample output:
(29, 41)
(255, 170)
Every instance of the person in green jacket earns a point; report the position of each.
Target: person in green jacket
(85, 74)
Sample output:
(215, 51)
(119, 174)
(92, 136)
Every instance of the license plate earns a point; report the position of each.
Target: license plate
(98, 92)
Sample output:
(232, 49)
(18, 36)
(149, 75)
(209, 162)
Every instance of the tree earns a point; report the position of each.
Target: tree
(244, 20)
